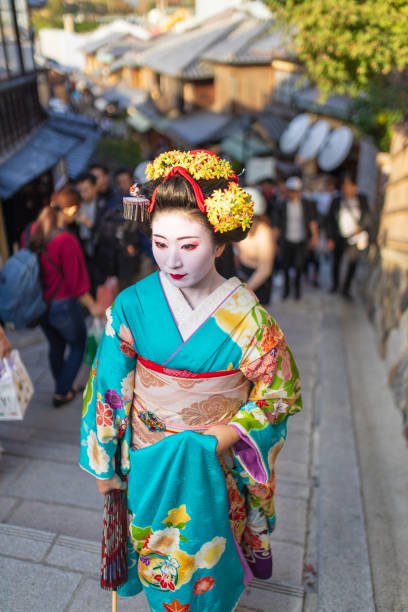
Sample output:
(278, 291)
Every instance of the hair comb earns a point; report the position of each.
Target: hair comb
(135, 205)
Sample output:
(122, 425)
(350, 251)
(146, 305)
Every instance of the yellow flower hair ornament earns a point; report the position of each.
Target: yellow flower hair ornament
(200, 164)
(229, 208)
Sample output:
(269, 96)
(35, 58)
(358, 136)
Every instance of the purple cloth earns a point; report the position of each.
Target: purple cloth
(249, 456)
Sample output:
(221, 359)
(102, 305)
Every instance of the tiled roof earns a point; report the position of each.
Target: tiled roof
(186, 131)
(252, 42)
(236, 42)
(87, 133)
(94, 45)
(272, 124)
(129, 48)
(198, 128)
(242, 146)
(309, 99)
(123, 95)
(198, 70)
(175, 54)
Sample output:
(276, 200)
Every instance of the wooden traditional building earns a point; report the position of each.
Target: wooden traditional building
(37, 150)
(387, 286)
(20, 110)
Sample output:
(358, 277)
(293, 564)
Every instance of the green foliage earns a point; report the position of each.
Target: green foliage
(50, 16)
(86, 26)
(118, 152)
(379, 108)
(347, 45)
(353, 47)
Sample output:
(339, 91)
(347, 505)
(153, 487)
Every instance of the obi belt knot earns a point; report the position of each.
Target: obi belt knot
(169, 401)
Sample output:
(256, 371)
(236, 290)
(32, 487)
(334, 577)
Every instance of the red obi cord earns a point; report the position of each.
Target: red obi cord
(156, 367)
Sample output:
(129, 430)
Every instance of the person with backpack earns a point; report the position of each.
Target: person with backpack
(66, 288)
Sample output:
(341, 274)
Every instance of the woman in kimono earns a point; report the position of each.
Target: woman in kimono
(187, 352)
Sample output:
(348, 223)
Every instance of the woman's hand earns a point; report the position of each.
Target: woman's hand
(97, 310)
(104, 486)
(94, 308)
(5, 346)
(226, 436)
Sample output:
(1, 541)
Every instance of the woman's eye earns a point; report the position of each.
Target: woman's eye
(189, 247)
(160, 245)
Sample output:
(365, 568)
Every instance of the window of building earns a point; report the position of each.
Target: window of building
(16, 50)
(10, 38)
(24, 34)
(3, 59)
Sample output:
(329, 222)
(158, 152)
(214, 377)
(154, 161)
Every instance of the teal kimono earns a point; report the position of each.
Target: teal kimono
(198, 527)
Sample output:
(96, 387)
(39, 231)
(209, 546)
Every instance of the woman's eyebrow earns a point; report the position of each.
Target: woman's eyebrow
(181, 238)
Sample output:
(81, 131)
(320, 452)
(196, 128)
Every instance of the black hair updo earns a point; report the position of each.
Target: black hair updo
(176, 193)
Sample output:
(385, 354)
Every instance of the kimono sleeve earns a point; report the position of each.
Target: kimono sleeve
(276, 393)
(108, 398)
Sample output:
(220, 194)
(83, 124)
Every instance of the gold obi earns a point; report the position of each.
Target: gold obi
(170, 401)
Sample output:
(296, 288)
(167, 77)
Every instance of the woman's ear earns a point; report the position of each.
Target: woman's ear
(219, 250)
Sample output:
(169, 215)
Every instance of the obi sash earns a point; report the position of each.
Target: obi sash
(168, 401)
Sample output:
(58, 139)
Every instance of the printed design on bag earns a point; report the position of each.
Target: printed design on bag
(163, 565)
(16, 388)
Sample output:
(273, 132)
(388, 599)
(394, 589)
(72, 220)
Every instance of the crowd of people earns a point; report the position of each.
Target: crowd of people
(294, 230)
(83, 239)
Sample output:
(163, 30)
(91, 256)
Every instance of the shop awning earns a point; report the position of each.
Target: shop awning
(241, 147)
(61, 136)
(139, 122)
(40, 153)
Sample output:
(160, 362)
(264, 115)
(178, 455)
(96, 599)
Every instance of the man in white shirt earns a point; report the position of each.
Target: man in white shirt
(347, 225)
(86, 217)
(299, 232)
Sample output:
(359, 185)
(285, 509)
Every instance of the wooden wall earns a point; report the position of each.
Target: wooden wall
(393, 232)
(241, 87)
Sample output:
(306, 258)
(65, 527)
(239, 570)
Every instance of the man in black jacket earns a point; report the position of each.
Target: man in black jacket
(297, 224)
(347, 231)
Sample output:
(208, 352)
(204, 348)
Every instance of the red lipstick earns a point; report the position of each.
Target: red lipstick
(177, 276)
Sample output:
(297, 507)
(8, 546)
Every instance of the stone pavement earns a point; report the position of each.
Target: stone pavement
(50, 510)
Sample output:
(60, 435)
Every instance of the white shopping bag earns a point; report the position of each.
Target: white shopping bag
(16, 388)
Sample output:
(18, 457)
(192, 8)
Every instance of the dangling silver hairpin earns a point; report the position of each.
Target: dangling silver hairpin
(135, 205)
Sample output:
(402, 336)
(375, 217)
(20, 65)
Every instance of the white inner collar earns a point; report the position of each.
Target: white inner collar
(189, 319)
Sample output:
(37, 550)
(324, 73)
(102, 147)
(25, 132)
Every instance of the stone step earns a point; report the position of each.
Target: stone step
(342, 544)
(77, 556)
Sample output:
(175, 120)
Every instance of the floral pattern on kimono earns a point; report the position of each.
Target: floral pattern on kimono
(108, 399)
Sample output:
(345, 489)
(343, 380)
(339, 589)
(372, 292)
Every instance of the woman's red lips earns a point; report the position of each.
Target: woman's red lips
(177, 276)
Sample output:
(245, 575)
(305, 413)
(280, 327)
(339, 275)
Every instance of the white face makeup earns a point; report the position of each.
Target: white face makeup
(183, 249)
